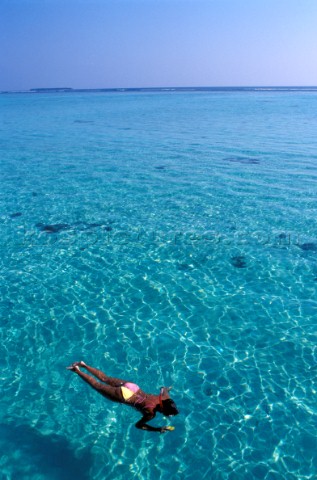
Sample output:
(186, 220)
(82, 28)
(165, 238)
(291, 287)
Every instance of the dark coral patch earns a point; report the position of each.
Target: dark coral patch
(81, 226)
(243, 160)
(54, 228)
(239, 261)
(184, 267)
(16, 215)
(84, 121)
(309, 247)
(208, 391)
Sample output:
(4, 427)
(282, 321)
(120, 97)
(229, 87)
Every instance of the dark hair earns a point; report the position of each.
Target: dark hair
(169, 407)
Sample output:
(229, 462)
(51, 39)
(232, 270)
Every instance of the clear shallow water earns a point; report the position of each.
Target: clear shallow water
(170, 239)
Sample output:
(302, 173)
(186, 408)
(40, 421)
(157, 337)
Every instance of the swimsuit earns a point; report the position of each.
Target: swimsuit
(140, 401)
(129, 389)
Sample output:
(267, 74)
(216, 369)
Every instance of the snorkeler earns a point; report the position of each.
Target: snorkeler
(130, 394)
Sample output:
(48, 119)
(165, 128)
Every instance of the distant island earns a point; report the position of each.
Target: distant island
(57, 89)
(177, 89)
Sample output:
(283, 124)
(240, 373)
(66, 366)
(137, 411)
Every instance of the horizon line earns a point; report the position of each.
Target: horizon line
(161, 89)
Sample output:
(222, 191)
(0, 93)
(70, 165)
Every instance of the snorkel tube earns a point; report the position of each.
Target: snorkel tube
(164, 395)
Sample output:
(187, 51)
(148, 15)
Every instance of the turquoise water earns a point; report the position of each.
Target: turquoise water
(169, 239)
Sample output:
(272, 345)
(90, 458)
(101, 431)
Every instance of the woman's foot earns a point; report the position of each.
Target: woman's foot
(74, 367)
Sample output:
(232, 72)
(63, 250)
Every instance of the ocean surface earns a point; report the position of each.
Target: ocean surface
(168, 238)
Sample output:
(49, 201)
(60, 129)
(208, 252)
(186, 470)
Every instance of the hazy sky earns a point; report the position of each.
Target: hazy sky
(142, 43)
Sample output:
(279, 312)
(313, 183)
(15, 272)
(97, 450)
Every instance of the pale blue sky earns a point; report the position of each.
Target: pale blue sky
(143, 43)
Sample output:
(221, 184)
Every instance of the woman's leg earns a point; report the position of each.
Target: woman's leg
(114, 382)
(112, 392)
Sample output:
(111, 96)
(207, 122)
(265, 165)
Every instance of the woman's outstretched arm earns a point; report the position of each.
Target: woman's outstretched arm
(142, 424)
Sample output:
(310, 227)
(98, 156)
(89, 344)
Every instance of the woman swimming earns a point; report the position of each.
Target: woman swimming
(120, 391)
